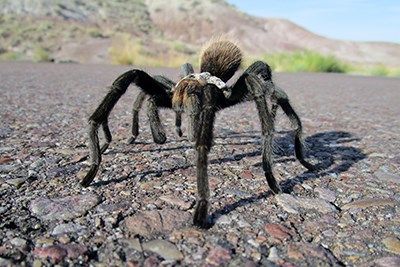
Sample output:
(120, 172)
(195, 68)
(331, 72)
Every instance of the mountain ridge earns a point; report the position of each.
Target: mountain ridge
(84, 31)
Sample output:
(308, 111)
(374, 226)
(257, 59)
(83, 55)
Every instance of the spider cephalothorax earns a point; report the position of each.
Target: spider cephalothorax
(188, 85)
(200, 96)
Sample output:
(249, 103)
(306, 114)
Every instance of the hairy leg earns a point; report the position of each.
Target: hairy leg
(267, 128)
(254, 84)
(193, 111)
(102, 112)
(283, 102)
(178, 123)
(156, 127)
(137, 105)
(274, 107)
(280, 98)
(107, 135)
(94, 154)
(240, 90)
(203, 145)
(186, 69)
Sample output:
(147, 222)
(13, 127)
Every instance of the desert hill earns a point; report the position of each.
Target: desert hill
(84, 31)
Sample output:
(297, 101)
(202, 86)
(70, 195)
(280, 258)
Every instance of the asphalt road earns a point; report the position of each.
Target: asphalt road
(347, 213)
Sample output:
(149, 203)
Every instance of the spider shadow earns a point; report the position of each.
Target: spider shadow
(330, 149)
(333, 154)
(153, 148)
(140, 176)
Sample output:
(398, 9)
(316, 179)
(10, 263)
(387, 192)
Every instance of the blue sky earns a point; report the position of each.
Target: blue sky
(354, 20)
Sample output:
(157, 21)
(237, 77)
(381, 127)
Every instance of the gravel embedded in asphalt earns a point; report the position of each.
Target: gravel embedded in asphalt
(138, 210)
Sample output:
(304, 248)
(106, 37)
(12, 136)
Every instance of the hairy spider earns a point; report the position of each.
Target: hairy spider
(200, 95)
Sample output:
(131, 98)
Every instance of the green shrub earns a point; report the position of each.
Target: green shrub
(305, 61)
(395, 73)
(41, 55)
(10, 56)
(379, 71)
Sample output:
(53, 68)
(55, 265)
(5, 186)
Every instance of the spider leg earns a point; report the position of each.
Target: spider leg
(255, 87)
(156, 127)
(137, 105)
(153, 103)
(274, 107)
(193, 111)
(107, 135)
(204, 138)
(94, 154)
(186, 69)
(280, 98)
(254, 84)
(178, 123)
(283, 102)
(100, 116)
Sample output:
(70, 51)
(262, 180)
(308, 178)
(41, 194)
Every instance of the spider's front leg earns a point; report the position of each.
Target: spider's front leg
(193, 113)
(186, 69)
(260, 72)
(267, 128)
(251, 86)
(206, 100)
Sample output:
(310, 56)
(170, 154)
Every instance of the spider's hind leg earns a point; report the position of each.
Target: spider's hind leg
(283, 101)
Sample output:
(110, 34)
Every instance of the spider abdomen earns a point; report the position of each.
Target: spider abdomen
(221, 58)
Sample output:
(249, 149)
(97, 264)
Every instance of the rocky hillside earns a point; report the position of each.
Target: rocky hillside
(90, 31)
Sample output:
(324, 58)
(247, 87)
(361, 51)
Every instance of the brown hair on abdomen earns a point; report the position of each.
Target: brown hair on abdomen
(221, 58)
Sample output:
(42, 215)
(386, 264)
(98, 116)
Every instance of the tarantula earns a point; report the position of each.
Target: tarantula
(200, 95)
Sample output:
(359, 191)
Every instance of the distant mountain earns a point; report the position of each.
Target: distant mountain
(84, 31)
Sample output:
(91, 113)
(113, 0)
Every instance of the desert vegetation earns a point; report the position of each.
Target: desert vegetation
(25, 38)
(135, 32)
(128, 50)
(305, 61)
(310, 61)
(46, 38)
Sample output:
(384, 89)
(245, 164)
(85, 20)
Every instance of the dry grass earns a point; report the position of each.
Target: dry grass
(379, 70)
(125, 50)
